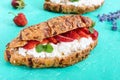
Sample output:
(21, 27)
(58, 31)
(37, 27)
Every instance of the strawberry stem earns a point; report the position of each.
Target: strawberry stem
(12, 13)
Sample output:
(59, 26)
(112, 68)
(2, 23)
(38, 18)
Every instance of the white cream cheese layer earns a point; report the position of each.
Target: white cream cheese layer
(60, 49)
(79, 3)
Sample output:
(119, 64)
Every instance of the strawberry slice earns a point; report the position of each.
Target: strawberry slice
(81, 33)
(52, 39)
(44, 41)
(86, 30)
(72, 34)
(31, 44)
(61, 38)
(94, 35)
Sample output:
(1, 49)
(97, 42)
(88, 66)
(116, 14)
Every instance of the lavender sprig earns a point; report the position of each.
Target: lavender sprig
(111, 17)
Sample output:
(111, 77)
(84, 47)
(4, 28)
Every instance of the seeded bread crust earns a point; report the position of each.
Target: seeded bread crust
(50, 6)
(14, 58)
(50, 28)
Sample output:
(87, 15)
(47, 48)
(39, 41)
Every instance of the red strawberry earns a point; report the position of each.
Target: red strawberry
(81, 33)
(31, 44)
(61, 38)
(18, 4)
(94, 35)
(53, 40)
(72, 34)
(44, 41)
(86, 30)
(20, 19)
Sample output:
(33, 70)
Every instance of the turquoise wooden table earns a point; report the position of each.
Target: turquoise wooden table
(103, 62)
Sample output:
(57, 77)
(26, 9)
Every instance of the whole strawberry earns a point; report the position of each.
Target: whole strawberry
(18, 4)
(20, 19)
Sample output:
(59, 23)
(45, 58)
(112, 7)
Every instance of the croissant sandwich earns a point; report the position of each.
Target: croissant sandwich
(72, 6)
(58, 42)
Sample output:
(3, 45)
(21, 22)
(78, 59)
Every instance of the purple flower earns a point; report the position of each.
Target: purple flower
(114, 28)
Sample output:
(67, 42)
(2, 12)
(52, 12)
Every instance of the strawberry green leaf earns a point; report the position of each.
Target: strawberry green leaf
(93, 24)
(39, 48)
(91, 28)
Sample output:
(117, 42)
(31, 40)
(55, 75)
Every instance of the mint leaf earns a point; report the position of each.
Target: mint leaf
(48, 48)
(39, 48)
(74, 0)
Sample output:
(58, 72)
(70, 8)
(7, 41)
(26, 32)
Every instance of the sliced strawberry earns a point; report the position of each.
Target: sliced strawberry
(81, 33)
(61, 38)
(53, 40)
(44, 41)
(94, 35)
(31, 44)
(72, 34)
(86, 30)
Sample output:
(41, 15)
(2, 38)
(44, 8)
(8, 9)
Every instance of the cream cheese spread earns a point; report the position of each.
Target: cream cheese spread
(79, 3)
(60, 49)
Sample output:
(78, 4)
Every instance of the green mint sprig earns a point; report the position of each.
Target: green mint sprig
(46, 48)
(74, 0)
